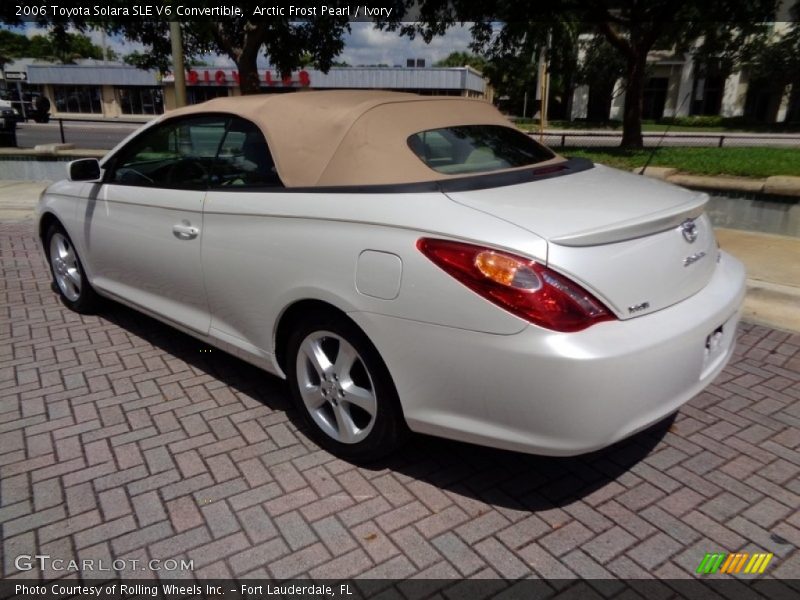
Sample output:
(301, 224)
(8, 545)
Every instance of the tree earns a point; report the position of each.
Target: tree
(12, 45)
(773, 63)
(600, 68)
(463, 59)
(59, 45)
(638, 28)
(631, 27)
(283, 41)
(513, 60)
(287, 44)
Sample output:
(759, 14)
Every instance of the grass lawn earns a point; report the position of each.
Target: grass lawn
(732, 125)
(744, 162)
(617, 127)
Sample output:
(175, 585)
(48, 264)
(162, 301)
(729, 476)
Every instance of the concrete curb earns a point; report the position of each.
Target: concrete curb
(773, 275)
(777, 185)
(51, 151)
(772, 305)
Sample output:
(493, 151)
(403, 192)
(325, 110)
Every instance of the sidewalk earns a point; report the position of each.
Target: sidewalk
(772, 261)
(773, 276)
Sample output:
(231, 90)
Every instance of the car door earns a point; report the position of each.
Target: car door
(144, 226)
(244, 243)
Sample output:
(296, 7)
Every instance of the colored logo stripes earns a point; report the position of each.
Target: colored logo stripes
(740, 562)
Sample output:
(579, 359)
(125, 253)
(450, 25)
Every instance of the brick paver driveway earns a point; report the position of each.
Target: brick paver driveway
(124, 439)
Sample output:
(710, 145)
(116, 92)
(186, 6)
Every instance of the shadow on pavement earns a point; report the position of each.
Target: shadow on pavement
(497, 477)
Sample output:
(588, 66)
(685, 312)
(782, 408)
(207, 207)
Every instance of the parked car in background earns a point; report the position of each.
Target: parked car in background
(406, 262)
(33, 105)
(8, 116)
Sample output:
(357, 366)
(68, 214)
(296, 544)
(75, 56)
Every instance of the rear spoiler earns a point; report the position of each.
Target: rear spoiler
(639, 227)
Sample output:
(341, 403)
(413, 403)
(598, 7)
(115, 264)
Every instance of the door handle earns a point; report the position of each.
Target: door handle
(185, 231)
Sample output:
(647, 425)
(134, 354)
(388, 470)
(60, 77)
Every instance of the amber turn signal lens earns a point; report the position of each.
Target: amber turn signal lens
(507, 271)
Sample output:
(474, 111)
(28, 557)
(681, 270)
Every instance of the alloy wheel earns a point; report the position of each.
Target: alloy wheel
(336, 387)
(66, 267)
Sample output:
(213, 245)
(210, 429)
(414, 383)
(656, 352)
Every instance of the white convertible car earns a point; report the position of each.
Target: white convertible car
(406, 262)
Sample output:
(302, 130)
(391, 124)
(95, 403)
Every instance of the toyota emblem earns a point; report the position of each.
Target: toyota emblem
(689, 230)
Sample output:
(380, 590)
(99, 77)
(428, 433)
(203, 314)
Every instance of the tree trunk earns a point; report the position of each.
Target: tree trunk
(793, 114)
(248, 75)
(245, 56)
(632, 116)
(569, 92)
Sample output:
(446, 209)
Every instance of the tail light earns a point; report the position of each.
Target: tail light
(523, 287)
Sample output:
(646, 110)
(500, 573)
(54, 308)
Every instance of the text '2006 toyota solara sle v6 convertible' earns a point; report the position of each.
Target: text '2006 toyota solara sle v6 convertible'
(407, 263)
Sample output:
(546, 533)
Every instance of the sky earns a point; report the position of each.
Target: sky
(364, 45)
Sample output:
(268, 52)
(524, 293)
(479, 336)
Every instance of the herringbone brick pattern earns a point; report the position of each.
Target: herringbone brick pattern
(124, 439)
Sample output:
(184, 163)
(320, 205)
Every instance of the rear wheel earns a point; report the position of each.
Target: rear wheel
(68, 275)
(343, 389)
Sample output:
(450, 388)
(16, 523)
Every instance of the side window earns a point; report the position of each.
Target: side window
(178, 154)
(244, 159)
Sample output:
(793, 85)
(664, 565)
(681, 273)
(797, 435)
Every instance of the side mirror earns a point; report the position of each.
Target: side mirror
(85, 169)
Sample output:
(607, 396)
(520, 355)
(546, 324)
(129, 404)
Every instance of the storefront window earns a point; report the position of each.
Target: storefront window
(135, 100)
(77, 99)
(195, 94)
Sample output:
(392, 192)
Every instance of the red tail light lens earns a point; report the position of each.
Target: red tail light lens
(521, 286)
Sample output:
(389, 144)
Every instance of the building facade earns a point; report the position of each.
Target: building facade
(677, 87)
(203, 83)
(89, 89)
(94, 89)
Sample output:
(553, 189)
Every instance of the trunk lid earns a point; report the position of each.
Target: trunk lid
(638, 244)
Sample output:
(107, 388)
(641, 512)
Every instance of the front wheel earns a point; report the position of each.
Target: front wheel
(343, 389)
(68, 275)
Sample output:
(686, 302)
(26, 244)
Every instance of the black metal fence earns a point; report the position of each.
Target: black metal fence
(101, 134)
(595, 139)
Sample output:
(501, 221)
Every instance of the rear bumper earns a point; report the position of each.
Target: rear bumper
(556, 393)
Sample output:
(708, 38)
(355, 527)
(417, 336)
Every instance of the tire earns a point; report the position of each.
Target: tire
(348, 400)
(69, 276)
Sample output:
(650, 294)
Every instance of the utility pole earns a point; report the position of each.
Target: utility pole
(541, 92)
(525, 101)
(105, 46)
(177, 63)
(545, 83)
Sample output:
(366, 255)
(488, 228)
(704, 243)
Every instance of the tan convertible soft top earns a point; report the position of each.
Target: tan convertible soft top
(345, 137)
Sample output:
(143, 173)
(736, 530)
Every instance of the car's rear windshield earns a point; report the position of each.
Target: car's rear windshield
(476, 149)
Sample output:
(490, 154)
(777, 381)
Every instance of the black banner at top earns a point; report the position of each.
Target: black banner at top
(103, 11)
(20, 11)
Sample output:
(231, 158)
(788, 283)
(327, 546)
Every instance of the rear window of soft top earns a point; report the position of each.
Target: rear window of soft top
(476, 149)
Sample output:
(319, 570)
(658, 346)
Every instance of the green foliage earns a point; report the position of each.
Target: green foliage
(284, 41)
(632, 28)
(774, 58)
(602, 63)
(463, 59)
(12, 45)
(148, 61)
(287, 44)
(57, 46)
(742, 162)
